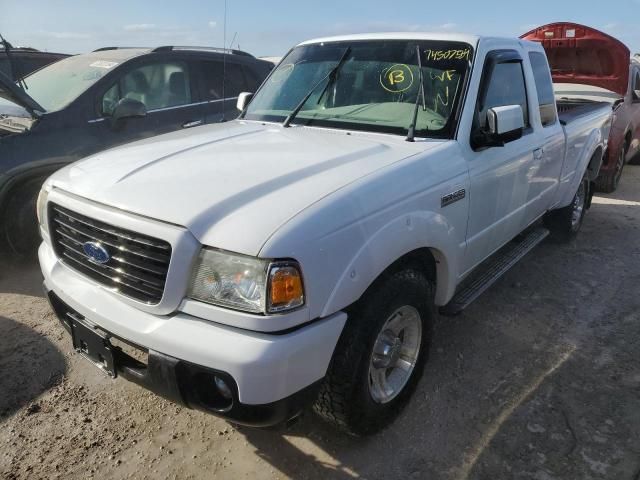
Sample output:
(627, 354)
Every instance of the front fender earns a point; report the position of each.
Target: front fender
(405, 234)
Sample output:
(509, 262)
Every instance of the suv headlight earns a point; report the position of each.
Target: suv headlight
(41, 206)
(246, 283)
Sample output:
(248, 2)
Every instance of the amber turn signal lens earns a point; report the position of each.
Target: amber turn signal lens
(286, 288)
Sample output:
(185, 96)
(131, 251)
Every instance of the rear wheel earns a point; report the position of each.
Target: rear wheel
(565, 222)
(380, 355)
(20, 223)
(609, 182)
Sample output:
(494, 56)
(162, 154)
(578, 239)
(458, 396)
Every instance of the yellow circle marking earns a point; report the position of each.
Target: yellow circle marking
(397, 78)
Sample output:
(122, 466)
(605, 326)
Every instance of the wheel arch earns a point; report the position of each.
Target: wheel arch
(595, 162)
(424, 240)
(26, 175)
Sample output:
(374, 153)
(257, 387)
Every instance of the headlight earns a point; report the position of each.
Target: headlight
(41, 206)
(246, 283)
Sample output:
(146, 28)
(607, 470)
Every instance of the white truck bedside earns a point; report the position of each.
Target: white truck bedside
(297, 255)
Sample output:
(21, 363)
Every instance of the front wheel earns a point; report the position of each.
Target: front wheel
(380, 355)
(565, 222)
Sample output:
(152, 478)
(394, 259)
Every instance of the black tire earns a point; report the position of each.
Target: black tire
(609, 183)
(565, 223)
(345, 397)
(20, 223)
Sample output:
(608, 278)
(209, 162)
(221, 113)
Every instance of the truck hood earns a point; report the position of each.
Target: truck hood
(13, 93)
(584, 55)
(232, 185)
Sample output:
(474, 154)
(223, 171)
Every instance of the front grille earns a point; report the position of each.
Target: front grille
(137, 264)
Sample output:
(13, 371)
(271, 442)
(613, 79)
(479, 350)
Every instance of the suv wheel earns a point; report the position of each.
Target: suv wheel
(20, 223)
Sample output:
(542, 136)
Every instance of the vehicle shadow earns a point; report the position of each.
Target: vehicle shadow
(30, 364)
(476, 378)
(627, 189)
(20, 275)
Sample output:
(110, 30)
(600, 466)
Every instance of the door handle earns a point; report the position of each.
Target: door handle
(538, 152)
(193, 123)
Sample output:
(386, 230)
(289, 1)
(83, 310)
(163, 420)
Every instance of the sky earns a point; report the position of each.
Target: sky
(271, 27)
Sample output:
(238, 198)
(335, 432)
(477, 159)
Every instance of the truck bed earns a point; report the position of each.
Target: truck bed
(571, 109)
(580, 118)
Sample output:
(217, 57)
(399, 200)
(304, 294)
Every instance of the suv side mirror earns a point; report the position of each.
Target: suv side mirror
(128, 108)
(243, 100)
(504, 124)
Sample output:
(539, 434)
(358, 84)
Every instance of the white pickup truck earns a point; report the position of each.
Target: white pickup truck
(297, 255)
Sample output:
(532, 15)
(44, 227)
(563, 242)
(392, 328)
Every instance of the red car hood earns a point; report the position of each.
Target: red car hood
(584, 55)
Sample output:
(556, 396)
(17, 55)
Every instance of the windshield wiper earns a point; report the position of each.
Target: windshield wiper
(331, 75)
(412, 128)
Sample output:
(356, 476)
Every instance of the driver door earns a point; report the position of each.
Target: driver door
(499, 176)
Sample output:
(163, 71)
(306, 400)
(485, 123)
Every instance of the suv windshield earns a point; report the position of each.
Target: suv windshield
(375, 88)
(58, 84)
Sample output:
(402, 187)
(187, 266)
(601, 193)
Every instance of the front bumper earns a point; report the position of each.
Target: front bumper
(271, 376)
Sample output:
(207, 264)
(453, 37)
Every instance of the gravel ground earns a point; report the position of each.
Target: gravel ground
(539, 379)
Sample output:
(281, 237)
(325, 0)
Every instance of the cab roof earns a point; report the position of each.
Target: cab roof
(453, 37)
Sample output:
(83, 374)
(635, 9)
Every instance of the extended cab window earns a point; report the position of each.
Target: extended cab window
(544, 87)
(506, 87)
(159, 85)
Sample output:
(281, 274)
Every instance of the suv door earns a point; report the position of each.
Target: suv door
(169, 92)
(221, 102)
(499, 185)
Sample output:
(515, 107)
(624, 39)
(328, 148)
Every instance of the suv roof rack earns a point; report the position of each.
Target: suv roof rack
(229, 51)
(104, 49)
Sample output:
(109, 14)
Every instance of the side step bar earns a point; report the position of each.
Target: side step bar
(492, 269)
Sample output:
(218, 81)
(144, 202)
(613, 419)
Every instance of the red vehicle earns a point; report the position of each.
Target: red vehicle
(593, 66)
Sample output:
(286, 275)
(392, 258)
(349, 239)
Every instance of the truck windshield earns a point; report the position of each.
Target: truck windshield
(58, 84)
(374, 89)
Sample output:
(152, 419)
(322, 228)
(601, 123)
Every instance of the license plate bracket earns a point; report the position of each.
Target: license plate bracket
(93, 345)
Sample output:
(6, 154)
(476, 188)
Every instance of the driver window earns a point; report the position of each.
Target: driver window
(506, 87)
(159, 85)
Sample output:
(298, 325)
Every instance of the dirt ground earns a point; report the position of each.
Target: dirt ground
(539, 379)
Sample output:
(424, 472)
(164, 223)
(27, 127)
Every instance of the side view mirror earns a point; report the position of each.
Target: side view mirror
(243, 100)
(636, 95)
(504, 124)
(128, 108)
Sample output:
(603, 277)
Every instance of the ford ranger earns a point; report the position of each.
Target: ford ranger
(297, 255)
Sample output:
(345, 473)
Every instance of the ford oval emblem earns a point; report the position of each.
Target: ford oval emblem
(96, 252)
